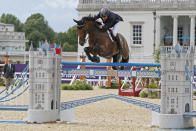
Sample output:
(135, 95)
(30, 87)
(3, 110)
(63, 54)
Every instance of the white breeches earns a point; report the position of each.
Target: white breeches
(114, 29)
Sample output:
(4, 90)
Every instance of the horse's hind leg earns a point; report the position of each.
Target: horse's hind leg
(124, 61)
(116, 59)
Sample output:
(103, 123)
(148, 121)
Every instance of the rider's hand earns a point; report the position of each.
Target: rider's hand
(100, 26)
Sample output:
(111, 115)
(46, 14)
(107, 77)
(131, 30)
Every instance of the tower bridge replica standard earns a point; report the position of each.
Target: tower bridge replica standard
(176, 88)
(175, 111)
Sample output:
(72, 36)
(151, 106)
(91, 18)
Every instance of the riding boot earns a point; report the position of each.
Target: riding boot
(118, 44)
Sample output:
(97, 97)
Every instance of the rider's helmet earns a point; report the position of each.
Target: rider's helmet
(104, 12)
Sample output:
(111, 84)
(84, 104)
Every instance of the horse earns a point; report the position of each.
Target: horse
(100, 42)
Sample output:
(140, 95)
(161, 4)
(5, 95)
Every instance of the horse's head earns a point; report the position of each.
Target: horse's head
(84, 26)
(81, 31)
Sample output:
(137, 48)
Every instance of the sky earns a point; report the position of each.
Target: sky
(58, 13)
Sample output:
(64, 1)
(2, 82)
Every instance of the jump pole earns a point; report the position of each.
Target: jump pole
(83, 59)
(133, 83)
(108, 84)
(6, 59)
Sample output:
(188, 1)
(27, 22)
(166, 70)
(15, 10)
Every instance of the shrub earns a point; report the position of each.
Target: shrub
(194, 93)
(154, 95)
(1, 82)
(143, 94)
(126, 86)
(115, 85)
(77, 85)
(102, 87)
(152, 85)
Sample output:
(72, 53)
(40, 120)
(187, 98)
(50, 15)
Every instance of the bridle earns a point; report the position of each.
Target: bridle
(84, 29)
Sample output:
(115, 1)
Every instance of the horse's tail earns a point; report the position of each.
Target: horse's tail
(126, 60)
(125, 49)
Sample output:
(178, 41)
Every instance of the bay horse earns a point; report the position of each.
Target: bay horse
(100, 42)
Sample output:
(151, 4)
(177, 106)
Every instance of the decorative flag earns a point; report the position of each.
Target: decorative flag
(58, 49)
(51, 45)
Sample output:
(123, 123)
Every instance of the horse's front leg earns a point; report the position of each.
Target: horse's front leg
(96, 50)
(87, 50)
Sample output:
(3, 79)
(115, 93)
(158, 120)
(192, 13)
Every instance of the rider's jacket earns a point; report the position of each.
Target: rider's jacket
(111, 21)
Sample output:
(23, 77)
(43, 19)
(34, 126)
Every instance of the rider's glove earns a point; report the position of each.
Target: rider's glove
(100, 26)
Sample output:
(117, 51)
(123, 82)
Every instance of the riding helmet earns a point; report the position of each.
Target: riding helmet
(104, 12)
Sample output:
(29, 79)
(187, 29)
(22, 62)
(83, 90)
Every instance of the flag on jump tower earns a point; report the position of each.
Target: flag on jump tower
(58, 49)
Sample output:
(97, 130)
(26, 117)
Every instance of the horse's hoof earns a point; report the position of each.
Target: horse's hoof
(122, 68)
(114, 68)
(96, 59)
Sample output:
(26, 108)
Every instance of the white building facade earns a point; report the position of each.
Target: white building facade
(11, 42)
(148, 23)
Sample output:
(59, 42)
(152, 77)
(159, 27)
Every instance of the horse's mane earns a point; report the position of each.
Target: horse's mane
(91, 18)
(88, 18)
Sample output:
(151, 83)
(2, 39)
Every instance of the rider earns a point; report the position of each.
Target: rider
(111, 21)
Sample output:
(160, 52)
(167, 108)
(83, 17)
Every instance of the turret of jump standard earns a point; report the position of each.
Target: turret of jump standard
(176, 90)
(44, 81)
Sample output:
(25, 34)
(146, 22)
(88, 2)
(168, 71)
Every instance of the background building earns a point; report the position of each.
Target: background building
(12, 43)
(148, 23)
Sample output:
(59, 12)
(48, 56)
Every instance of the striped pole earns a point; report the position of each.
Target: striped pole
(83, 59)
(109, 75)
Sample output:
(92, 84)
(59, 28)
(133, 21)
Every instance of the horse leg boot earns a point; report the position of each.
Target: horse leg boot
(117, 39)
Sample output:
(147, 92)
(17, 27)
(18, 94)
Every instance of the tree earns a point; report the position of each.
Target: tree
(11, 19)
(72, 37)
(34, 37)
(67, 47)
(60, 38)
(37, 29)
(68, 40)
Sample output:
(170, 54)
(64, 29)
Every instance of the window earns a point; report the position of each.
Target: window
(172, 111)
(43, 75)
(42, 98)
(40, 75)
(195, 35)
(40, 62)
(187, 108)
(180, 34)
(172, 63)
(172, 101)
(186, 90)
(169, 77)
(137, 34)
